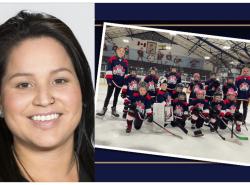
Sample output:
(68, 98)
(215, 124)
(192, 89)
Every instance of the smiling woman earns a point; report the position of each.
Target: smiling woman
(46, 91)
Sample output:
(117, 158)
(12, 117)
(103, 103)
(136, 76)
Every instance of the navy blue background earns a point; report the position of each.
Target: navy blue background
(178, 14)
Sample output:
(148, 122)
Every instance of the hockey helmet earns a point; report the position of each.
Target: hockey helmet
(218, 94)
(180, 85)
(162, 80)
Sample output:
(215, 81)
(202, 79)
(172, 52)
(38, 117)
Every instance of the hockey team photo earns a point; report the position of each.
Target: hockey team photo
(173, 93)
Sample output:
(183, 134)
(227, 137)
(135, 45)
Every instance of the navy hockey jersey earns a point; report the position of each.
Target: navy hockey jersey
(173, 79)
(130, 85)
(228, 86)
(152, 81)
(163, 96)
(212, 86)
(229, 107)
(116, 70)
(217, 105)
(193, 87)
(180, 107)
(174, 94)
(242, 84)
(202, 104)
(141, 103)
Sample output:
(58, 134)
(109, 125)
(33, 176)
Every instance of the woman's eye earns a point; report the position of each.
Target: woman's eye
(60, 81)
(23, 85)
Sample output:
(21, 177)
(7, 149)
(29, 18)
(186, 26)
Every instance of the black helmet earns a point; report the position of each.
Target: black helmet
(217, 94)
(180, 85)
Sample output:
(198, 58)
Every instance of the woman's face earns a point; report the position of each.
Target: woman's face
(40, 94)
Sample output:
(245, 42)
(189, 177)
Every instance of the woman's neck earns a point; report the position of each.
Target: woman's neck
(57, 164)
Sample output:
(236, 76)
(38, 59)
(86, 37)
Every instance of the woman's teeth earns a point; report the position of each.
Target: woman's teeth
(45, 118)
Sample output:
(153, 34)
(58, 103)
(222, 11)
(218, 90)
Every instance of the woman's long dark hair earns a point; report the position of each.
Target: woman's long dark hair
(32, 25)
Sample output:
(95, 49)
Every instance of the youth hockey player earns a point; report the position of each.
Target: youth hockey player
(130, 86)
(178, 89)
(162, 93)
(228, 85)
(216, 106)
(173, 79)
(139, 108)
(229, 111)
(180, 107)
(199, 110)
(152, 80)
(242, 84)
(115, 74)
(195, 86)
(212, 85)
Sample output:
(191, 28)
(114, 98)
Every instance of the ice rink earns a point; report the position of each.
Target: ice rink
(110, 132)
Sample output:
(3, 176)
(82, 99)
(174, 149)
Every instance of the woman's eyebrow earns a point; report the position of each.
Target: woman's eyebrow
(19, 75)
(30, 74)
(60, 70)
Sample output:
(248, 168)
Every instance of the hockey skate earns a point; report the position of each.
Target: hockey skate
(114, 113)
(129, 126)
(103, 112)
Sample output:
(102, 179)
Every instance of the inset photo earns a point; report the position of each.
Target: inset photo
(172, 93)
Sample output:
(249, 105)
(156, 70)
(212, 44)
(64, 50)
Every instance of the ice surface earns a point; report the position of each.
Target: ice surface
(110, 132)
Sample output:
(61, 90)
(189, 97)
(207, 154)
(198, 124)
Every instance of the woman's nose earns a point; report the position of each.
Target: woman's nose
(43, 97)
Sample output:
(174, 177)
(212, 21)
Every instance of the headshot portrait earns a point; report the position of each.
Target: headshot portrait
(46, 102)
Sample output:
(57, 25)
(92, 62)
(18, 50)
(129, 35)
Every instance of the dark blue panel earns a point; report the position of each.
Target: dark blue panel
(171, 14)
(172, 11)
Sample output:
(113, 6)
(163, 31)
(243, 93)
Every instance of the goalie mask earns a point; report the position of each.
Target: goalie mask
(162, 83)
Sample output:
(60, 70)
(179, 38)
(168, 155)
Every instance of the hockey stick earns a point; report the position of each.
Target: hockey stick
(211, 125)
(173, 134)
(236, 135)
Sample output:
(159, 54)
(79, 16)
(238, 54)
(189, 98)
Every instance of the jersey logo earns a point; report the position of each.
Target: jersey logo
(218, 107)
(172, 79)
(200, 106)
(244, 86)
(232, 109)
(140, 107)
(151, 86)
(119, 70)
(133, 85)
(178, 110)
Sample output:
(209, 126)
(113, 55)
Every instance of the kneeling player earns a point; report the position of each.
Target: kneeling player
(180, 107)
(229, 111)
(139, 108)
(216, 108)
(130, 86)
(199, 109)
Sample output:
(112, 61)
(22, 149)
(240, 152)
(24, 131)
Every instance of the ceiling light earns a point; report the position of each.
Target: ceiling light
(168, 47)
(206, 57)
